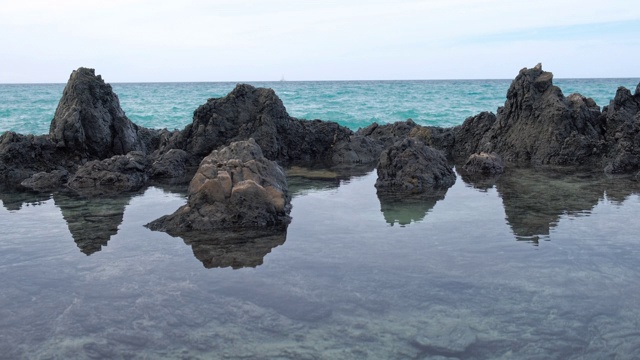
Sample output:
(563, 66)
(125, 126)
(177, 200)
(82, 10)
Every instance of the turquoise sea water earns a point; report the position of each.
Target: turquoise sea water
(532, 265)
(30, 108)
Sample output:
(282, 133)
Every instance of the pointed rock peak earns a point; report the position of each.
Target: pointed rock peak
(622, 96)
(89, 119)
(532, 79)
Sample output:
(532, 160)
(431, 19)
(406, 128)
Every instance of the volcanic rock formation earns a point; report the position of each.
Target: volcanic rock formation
(235, 187)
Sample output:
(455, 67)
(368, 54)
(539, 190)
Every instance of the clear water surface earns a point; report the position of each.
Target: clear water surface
(532, 265)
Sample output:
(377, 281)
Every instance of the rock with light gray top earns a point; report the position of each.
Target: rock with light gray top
(235, 187)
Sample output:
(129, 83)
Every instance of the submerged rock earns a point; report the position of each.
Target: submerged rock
(412, 167)
(90, 121)
(235, 187)
(445, 339)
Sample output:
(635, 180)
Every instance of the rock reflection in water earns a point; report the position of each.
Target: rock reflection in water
(303, 179)
(404, 209)
(535, 200)
(235, 249)
(13, 200)
(92, 221)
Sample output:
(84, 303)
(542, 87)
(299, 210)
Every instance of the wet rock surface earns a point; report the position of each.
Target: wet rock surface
(234, 187)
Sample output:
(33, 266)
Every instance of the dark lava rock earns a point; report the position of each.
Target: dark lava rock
(485, 164)
(538, 125)
(172, 164)
(22, 156)
(389, 134)
(116, 174)
(249, 112)
(89, 119)
(234, 187)
(622, 118)
(468, 136)
(46, 181)
(411, 166)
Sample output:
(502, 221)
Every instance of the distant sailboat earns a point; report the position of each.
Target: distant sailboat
(282, 78)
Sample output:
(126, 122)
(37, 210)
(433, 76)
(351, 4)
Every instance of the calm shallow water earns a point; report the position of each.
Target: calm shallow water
(534, 265)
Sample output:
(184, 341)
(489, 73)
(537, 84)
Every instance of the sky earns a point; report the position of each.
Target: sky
(42, 41)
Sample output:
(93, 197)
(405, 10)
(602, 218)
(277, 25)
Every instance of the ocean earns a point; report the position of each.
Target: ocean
(29, 108)
(536, 264)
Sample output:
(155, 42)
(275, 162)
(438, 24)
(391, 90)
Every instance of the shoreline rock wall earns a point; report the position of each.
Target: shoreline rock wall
(537, 126)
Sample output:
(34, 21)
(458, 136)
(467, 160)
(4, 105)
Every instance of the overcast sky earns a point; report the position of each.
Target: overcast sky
(241, 40)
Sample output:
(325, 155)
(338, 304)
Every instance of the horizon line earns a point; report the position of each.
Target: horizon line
(302, 81)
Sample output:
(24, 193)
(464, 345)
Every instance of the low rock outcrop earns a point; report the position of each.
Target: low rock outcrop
(172, 164)
(46, 181)
(22, 156)
(484, 164)
(412, 167)
(235, 187)
(388, 134)
(116, 174)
